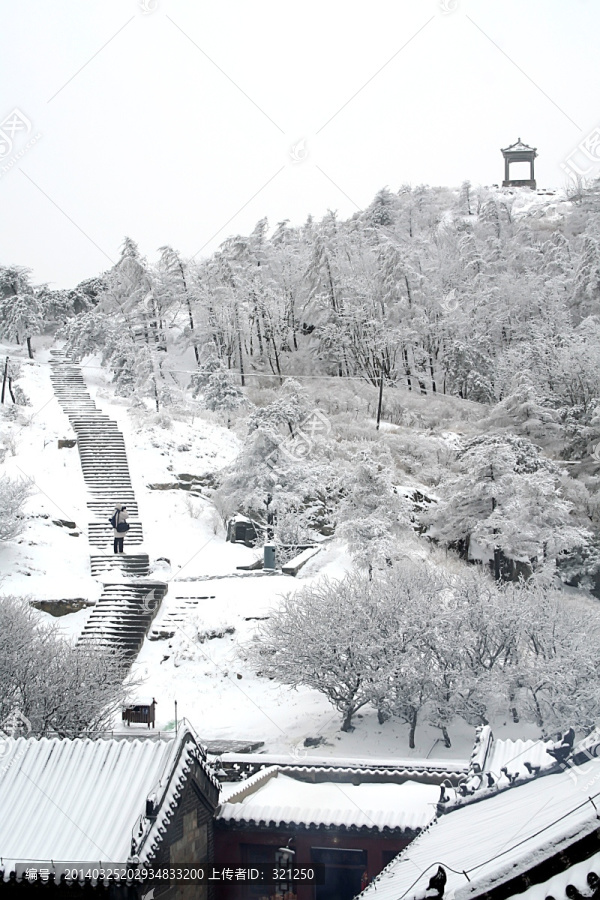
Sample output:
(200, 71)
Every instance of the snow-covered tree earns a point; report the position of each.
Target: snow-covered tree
(222, 394)
(60, 689)
(316, 639)
(525, 411)
(21, 306)
(506, 500)
(371, 514)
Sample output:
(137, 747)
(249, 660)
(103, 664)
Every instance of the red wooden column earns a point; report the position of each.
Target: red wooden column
(302, 860)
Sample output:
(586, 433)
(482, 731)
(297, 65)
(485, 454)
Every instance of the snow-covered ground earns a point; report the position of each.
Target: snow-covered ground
(214, 689)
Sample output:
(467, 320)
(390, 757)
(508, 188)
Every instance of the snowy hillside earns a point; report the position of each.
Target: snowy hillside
(410, 391)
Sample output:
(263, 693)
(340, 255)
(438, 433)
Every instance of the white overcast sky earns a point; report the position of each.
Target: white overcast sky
(182, 122)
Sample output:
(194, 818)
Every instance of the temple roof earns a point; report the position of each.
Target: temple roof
(519, 147)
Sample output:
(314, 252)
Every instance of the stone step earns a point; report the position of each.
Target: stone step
(104, 539)
(111, 625)
(110, 462)
(75, 408)
(122, 476)
(94, 417)
(94, 423)
(111, 573)
(118, 470)
(116, 483)
(117, 486)
(100, 441)
(103, 511)
(98, 542)
(111, 439)
(107, 476)
(103, 458)
(100, 569)
(110, 456)
(129, 558)
(127, 605)
(88, 441)
(107, 462)
(97, 424)
(107, 495)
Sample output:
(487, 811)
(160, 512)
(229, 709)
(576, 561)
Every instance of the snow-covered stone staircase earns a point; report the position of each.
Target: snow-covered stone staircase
(122, 616)
(129, 602)
(125, 565)
(177, 616)
(101, 451)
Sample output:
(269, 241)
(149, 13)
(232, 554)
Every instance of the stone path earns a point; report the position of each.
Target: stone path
(129, 601)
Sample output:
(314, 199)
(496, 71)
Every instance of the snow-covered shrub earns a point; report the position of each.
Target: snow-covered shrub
(163, 420)
(13, 494)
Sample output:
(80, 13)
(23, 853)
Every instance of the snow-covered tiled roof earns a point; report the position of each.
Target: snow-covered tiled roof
(507, 760)
(518, 145)
(555, 886)
(442, 768)
(72, 801)
(512, 756)
(279, 800)
(496, 838)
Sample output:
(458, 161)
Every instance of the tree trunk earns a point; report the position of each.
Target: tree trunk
(189, 309)
(408, 294)
(380, 403)
(347, 723)
(446, 736)
(413, 727)
(29, 350)
(293, 324)
(191, 321)
(259, 335)
(407, 368)
(496, 563)
(538, 710)
(4, 379)
(10, 390)
(276, 358)
(239, 343)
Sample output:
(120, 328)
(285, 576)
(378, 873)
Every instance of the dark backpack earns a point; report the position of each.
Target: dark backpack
(113, 520)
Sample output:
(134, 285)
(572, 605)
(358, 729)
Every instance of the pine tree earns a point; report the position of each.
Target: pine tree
(222, 395)
(505, 500)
